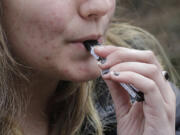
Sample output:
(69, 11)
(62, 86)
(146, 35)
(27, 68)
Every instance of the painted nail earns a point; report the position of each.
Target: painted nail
(103, 61)
(165, 74)
(104, 72)
(116, 73)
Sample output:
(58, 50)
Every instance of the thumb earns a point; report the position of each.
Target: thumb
(120, 98)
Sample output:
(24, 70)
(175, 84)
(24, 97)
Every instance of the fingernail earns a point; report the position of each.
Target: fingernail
(116, 73)
(104, 72)
(165, 74)
(103, 61)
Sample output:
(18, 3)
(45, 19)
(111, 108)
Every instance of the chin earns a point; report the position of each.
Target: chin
(84, 77)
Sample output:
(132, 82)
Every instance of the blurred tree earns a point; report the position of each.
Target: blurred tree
(159, 17)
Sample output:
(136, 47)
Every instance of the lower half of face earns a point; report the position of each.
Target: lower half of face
(49, 39)
(62, 61)
(73, 63)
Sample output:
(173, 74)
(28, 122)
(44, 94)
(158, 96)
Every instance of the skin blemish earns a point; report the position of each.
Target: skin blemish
(47, 58)
(83, 69)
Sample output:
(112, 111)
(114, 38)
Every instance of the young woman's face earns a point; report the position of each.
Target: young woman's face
(48, 34)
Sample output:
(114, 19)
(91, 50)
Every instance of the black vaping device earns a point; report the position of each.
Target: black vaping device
(133, 92)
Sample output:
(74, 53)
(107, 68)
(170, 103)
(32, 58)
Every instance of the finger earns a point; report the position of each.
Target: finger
(150, 71)
(152, 95)
(104, 51)
(116, 55)
(120, 98)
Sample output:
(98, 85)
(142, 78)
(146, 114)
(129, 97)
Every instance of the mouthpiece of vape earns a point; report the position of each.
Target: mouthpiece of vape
(90, 43)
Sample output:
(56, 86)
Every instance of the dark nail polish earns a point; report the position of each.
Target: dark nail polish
(166, 75)
(106, 71)
(116, 73)
(103, 61)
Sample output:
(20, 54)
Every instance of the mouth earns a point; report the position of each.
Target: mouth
(90, 43)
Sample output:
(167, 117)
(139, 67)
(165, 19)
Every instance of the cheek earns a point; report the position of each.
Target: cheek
(51, 15)
(39, 35)
(47, 28)
(48, 25)
(51, 21)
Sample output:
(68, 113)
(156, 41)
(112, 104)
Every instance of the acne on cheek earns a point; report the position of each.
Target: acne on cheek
(40, 37)
(48, 24)
(36, 49)
(47, 58)
(54, 22)
(83, 70)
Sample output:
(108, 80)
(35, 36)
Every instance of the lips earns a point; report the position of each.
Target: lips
(83, 42)
(91, 37)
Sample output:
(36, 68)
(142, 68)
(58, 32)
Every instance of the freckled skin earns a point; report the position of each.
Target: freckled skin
(41, 32)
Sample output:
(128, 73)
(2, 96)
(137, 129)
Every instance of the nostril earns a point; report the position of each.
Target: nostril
(92, 16)
(94, 9)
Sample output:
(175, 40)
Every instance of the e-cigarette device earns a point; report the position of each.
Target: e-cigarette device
(133, 92)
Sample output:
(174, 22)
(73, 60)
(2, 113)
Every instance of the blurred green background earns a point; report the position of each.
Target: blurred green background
(160, 17)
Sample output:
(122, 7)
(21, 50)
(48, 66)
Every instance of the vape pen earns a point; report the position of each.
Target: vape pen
(133, 92)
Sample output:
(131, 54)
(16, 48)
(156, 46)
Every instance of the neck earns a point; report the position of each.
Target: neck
(39, 90)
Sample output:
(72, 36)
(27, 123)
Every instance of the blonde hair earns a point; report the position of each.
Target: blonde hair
(126, 35)
(76, 99)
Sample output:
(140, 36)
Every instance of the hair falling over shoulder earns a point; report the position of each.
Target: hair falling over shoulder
(80, 117)
(12, 99)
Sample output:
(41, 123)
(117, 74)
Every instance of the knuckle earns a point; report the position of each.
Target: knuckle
(151, 86)
(154, 70)
(150, 55)
(114, 68)
(130, 76)
(118, 54)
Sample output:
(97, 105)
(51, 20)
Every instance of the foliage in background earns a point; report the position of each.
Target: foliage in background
(159, 17)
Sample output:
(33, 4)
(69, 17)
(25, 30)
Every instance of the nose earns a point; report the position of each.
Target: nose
(95, 9)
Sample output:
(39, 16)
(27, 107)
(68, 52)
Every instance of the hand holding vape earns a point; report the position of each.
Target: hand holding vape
(134, 92)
